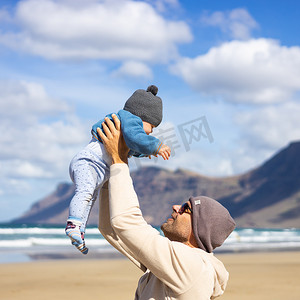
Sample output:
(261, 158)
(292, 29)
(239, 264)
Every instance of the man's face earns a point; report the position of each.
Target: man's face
(179, 226)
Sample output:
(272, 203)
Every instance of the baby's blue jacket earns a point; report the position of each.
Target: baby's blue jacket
(139, 143)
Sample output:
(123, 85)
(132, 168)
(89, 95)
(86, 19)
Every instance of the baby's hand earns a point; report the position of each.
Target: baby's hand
(164, 152)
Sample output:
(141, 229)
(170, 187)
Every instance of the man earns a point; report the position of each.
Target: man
(180, 265)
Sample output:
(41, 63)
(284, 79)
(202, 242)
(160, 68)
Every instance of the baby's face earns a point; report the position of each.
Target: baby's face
(148, 127)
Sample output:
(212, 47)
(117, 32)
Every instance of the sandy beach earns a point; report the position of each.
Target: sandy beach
(273, 276)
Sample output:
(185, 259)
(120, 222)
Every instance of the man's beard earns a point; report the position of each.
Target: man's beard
(172, 234)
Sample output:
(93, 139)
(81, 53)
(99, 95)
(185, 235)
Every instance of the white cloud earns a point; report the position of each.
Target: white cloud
(202, 160)
(27, 99)
(134, 69)
(117, 30)
(254, 71)
(202, 157)
(25, 169)
(263, 131)
(14, 186)
(238, 23)
(39, 135)
(164, 5)
(270, 127)
(205, 162)
(4, 16)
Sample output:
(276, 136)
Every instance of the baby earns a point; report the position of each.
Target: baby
(89, 169)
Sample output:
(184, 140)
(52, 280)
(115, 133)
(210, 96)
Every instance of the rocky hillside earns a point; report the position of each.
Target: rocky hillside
(268, 196)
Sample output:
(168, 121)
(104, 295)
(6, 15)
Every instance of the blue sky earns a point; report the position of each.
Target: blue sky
(232, 66)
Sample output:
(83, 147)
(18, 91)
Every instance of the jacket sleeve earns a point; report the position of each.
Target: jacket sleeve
(98, 125)
(108, 232)
(171, 262)
(136, 154)
(135, 136)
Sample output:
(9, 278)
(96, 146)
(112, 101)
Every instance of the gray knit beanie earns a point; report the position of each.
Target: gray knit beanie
(211, 222)
(146, 105)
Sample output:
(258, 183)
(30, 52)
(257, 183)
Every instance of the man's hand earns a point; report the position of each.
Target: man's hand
(113, 140)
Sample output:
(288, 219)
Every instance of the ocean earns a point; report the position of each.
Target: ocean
(28, 243)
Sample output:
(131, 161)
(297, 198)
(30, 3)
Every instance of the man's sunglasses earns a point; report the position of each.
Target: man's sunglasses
(185, 208)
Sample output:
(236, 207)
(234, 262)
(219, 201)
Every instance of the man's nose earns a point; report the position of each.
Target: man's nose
(176, 208)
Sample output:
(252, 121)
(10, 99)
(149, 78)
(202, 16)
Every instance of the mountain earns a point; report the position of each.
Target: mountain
(267, 196)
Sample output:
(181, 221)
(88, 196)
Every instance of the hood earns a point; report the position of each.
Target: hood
(221, 275)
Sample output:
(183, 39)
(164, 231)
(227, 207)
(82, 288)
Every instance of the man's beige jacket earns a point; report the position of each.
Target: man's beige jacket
(172, 270)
